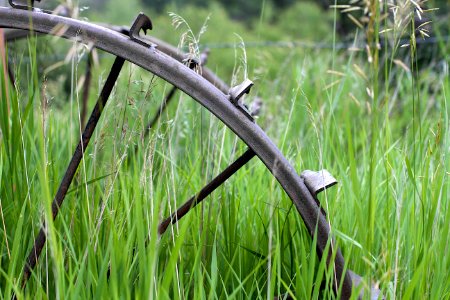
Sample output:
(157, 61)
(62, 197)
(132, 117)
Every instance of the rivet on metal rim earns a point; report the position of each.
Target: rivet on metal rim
(142, 22)
(318, 181)
(237, 92)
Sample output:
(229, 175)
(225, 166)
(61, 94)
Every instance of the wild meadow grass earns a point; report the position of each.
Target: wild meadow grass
(385, 138)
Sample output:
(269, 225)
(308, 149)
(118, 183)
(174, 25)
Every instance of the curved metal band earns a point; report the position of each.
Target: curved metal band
(203, 92)
(17, 34)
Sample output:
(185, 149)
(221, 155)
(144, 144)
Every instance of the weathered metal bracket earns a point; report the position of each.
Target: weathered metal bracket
(237, 92)
(193, 62)
(316, 182)
(23, 4)
(142, 22)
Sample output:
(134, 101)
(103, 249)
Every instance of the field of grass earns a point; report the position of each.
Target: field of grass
(380, 126)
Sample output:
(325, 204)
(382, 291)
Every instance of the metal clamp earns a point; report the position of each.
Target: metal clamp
(23, 4)
(142, 22)
(237, 92)
(316, 182)
(193, 62)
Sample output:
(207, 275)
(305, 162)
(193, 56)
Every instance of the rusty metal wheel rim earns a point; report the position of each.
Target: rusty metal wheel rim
(206, 94)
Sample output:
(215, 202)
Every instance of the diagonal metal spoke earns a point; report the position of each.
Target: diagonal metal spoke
(73, 166)
(207, 190)
(160, 110)
(86, 88)
(157, 115)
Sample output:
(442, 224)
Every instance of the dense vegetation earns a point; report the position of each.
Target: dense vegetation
(376, 117)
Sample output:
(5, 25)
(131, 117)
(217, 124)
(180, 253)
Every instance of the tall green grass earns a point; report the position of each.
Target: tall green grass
(386, 141)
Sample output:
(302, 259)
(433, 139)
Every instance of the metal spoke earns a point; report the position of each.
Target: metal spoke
(160, 110)
(86, 88)
(73, 166)
(207, 190)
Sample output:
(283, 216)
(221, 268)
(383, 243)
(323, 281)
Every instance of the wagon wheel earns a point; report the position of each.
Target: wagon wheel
(224, 104)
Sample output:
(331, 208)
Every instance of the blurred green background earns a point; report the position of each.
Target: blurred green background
(268, 30)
